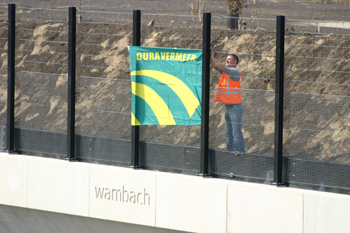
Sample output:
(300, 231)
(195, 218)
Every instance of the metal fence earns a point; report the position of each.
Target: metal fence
(316, 109)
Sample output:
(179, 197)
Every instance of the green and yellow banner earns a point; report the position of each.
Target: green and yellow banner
(166, 86)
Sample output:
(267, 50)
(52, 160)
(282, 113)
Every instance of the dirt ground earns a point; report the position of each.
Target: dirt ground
(330, 126)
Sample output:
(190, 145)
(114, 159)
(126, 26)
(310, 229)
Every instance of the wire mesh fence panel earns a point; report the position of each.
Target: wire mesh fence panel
(246, 167)
(102, 50)
(103, 83)
(3, 75)
(173, 31)
(41, 102)
(103, 104)
(316, 127)
(318, 175)
(317, 64)
(317, 85)
(254, 44)
(41, 81)
(42, 15)
(256, 52)
(258, 133)
(3, 106)
(41, 71)
(179, 143)
(317, 27)
(3, 13)
(252, 24)
(3, 69)
(170, 157)
(316, 108)
(104, 17)
(103, 150)
(103, 108)
(258, 119)
(3, 98)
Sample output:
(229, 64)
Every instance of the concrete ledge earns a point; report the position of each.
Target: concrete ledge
(164, 200)
(57, 186)
(325, 212)
(253, 206)
(191, 203)
(122, 194)
(13, 179)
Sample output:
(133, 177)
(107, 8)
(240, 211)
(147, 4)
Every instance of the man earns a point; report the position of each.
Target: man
(229, 93)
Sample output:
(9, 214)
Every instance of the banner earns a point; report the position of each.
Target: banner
(166, 86)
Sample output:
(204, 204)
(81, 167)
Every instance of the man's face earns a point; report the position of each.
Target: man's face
(231, 61)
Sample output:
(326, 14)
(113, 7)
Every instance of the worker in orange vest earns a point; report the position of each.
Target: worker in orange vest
(229, 93)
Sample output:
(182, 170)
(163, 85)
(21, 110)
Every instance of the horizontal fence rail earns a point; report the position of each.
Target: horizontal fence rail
(316, 108)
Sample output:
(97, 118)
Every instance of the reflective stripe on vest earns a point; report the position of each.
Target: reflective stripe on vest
(228, 90)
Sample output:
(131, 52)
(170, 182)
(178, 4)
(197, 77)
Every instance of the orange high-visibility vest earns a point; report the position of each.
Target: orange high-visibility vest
(229, 91)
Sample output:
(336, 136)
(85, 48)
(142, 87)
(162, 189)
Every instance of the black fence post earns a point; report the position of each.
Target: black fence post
(204, 165)
(279, 89)
(71, 84)
(10, 132)
(135, 130)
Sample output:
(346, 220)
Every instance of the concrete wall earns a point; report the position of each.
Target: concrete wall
(168, 201)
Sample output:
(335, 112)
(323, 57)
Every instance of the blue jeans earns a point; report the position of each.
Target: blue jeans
(233, 127)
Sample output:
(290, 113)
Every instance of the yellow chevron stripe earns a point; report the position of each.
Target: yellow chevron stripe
(134, 121)
(181, 89)
(157, 104)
